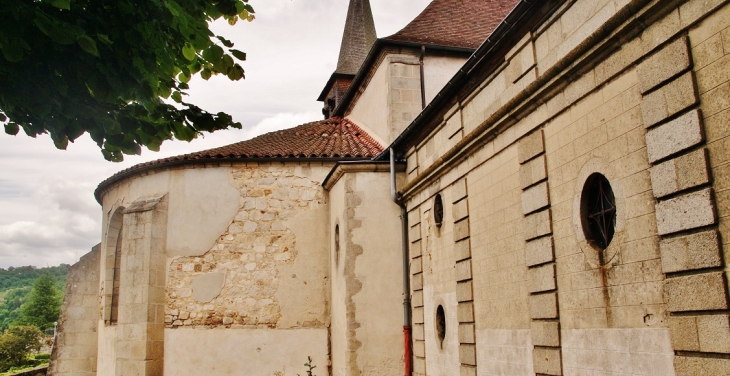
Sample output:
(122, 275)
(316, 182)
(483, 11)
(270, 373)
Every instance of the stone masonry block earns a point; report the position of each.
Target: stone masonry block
(463, 270)
(461, 230)
(675, 136)
(685, 212)
(467, 370)
(462, 250)
(541, 278)
(417, 282)
(414, 217)
(539, 251)
(535, 198)
(683, 332)
(466, 333)
(417, 298)
(546, 361)
(468, 354)
(416, 265)
(464, 291)
(686, 171)
(538, 224)
(714, 333)
(690, 252)
(418, 332)
(416, 249)
(669, 100)
(688, 365)
(460, 210)
(545, 333)
(700, 292)
(419, 349)
(417, 315)
(544, 306)
(415, 233)
(530, 146)
(532, 172)
(458, 190)
(419, 366)
(465, 312)
(671, 60)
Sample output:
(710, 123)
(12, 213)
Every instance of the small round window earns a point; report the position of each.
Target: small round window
(438, 210)
(598, 211)
(440, 325)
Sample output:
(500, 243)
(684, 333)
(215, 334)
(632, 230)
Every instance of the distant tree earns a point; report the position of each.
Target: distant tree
(10, 306)
(16, 344)
(68, 67)
(43, 304)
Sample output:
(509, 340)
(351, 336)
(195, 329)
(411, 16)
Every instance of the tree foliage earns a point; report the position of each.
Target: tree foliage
(68, 67)
(16, 344)
(43, 304)
(16, 284)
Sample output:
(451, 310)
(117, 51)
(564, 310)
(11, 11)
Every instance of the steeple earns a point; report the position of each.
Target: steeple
(357, 39)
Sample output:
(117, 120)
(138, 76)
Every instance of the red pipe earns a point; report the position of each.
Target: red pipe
(407, 347)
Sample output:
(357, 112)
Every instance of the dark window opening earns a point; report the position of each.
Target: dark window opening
(337, 243)
(113, 317)
(440, 325)
(438, 210)
(598, 211)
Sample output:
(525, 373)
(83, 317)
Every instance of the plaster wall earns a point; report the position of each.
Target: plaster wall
(438, 70)
(255, 256)
(244, 352)
(370, 110)
(367, 323)
(107, 356)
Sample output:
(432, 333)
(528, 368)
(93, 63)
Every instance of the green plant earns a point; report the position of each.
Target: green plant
(16, 344)
(309, 366)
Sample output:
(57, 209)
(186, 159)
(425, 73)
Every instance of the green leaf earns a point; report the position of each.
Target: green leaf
(104, 38)
(61, 34)
(240, 55)
(2, 117)
(188, 51)
(61, 142)
(89, 45)
(12, 129)
(13, 51)
(225, 41)
(176, 96)
(235, 73)
(183, 77)
(63, 4)
(213, 53)
(205, 74)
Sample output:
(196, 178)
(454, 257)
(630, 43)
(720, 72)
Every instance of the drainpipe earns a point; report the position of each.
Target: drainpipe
(406, 267)
(423, 83)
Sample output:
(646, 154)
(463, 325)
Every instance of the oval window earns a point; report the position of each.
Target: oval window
(598, 211)
(438, 210)
(440, 325)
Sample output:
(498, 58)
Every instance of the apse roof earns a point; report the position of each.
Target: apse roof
(456, 23)
(333, 138)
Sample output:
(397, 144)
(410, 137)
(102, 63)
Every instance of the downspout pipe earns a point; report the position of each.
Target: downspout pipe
(408, 353)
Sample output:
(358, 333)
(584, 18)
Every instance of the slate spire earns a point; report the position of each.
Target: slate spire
(358, 37)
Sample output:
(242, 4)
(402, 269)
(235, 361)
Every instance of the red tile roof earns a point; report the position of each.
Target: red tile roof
(455, 23)
(330, 138)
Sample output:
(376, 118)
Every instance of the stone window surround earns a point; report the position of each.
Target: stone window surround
(113, 234)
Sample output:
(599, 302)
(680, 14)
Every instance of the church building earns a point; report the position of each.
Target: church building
(503, 187)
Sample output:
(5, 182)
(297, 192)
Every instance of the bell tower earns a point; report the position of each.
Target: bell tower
(357, 39)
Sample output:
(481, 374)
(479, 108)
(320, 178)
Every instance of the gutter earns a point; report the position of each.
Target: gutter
(490, 44)
(408, 352)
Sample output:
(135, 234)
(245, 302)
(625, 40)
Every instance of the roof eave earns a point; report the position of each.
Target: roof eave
(330, 82)
(493, 42)
(106, 184)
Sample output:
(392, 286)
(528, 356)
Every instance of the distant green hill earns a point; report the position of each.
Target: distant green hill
(15, 285)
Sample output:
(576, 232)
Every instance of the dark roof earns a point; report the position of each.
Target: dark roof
(357, 38)
(457, 23)
(333, 138)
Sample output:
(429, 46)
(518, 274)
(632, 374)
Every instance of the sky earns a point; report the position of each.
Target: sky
(48, 214)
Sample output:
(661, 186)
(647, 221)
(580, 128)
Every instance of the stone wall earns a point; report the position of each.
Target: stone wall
(75, 349)
(234, 284)
(635, 91)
